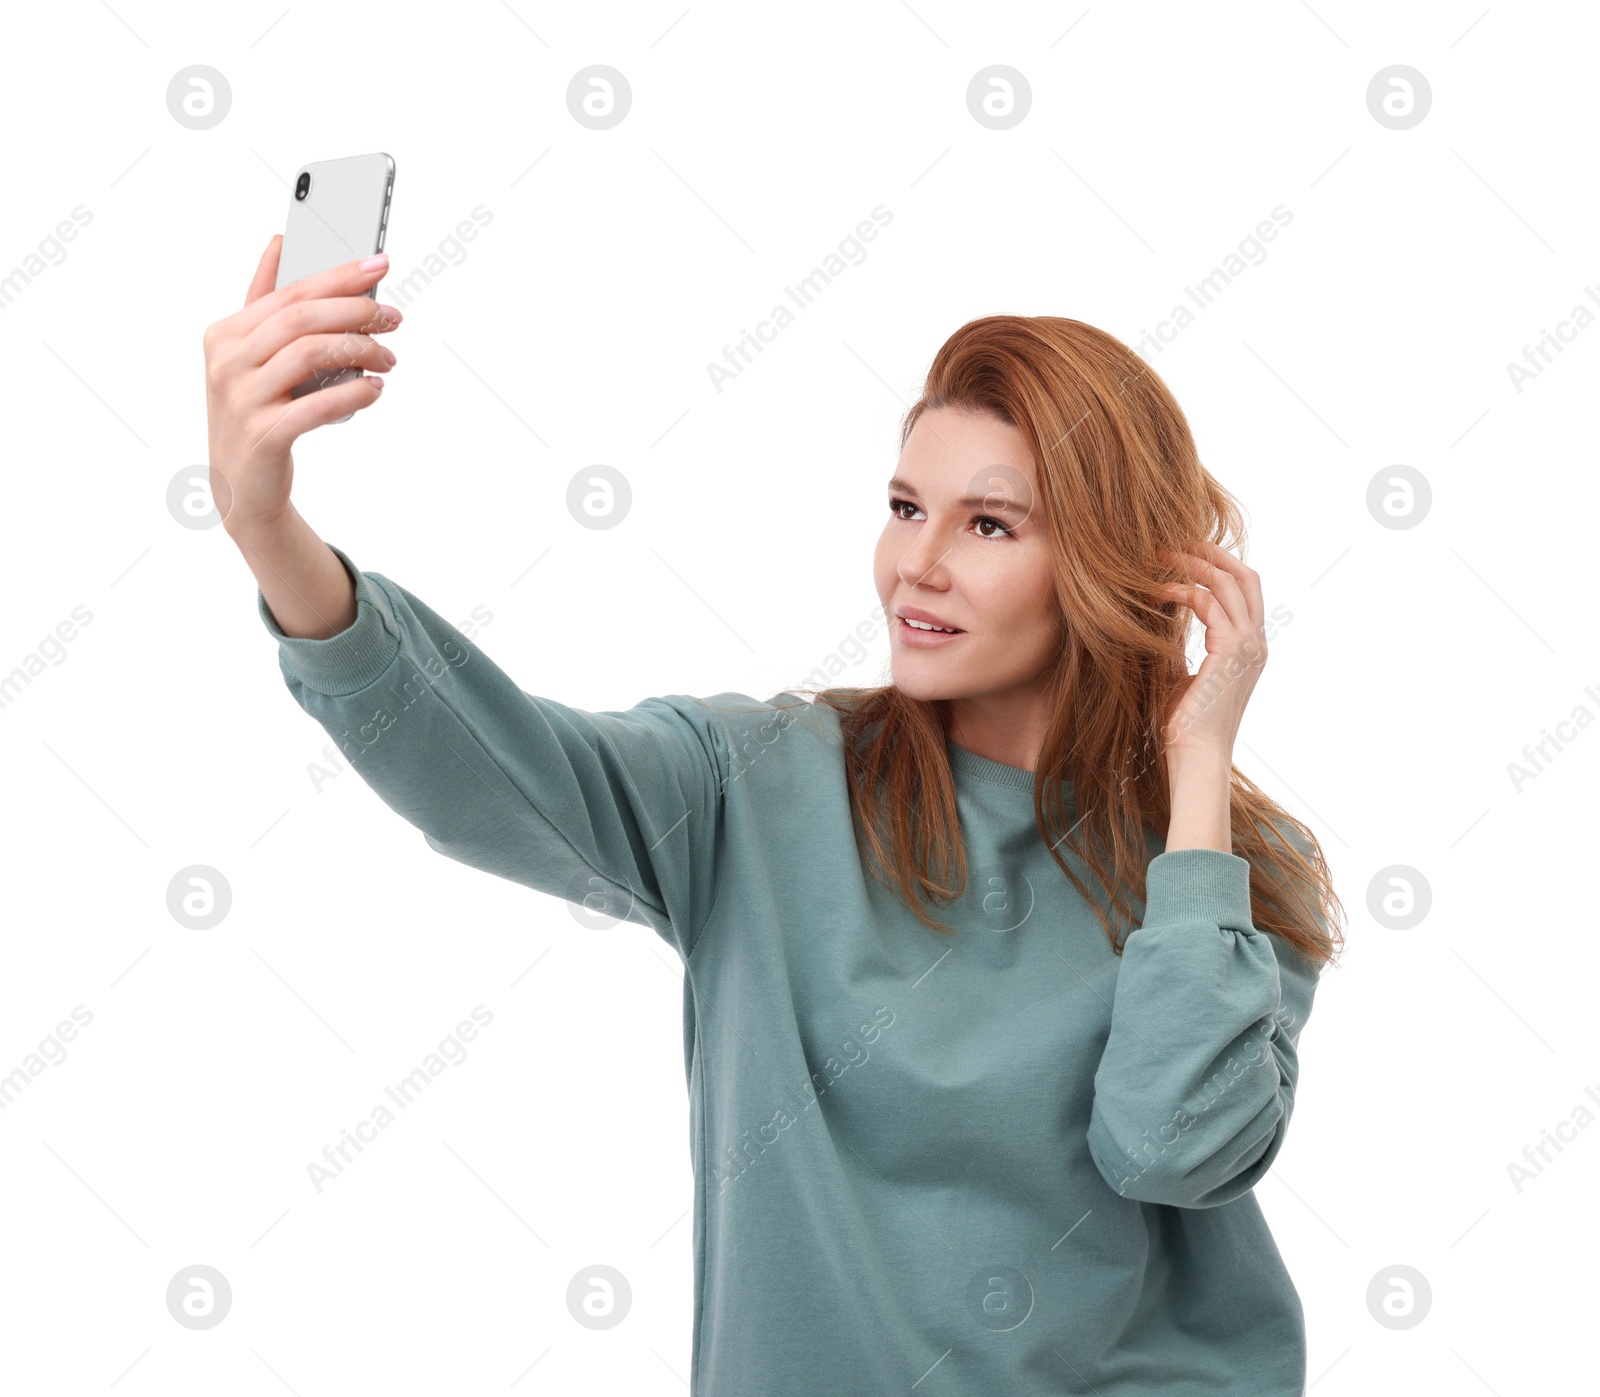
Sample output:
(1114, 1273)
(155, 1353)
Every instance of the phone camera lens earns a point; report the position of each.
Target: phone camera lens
(303, 185)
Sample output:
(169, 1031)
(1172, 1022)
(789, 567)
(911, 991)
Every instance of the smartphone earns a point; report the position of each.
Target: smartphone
(338, 212)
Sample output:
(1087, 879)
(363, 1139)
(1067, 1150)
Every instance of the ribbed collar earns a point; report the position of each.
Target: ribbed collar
(979, 768)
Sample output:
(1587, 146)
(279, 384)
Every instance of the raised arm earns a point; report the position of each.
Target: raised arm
(617, 810)
(1196, 1082)
(620, 810)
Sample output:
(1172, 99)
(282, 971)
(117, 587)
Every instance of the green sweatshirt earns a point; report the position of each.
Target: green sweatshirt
(1004, 1162)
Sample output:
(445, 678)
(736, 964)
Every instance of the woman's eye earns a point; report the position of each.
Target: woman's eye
(895, 506)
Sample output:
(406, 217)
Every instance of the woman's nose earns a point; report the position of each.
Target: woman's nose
(922, 564)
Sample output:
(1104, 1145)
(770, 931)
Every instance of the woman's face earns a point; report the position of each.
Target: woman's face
(982, 566)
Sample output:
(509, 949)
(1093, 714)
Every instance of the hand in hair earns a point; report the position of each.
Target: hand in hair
(1205, 708)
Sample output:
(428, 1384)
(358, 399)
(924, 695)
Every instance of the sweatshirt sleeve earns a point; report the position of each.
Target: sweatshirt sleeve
(619, 811)
(1196, 1082)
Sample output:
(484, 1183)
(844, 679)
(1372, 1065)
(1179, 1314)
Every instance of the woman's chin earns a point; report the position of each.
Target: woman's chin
(914, 680)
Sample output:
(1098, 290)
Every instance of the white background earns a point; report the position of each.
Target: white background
(577, 330)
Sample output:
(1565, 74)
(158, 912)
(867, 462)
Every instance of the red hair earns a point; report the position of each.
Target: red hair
(1119, 478)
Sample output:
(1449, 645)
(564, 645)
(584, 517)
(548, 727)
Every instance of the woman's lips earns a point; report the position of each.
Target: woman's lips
(926, 640)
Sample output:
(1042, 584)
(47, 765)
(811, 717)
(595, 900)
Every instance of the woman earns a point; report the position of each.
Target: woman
(1008, 1151)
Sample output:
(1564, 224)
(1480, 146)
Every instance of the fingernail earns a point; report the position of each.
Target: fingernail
(377, 260)
(388, 354)
(391, 313)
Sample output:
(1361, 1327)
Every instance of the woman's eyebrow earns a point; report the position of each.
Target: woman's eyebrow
(994, 503)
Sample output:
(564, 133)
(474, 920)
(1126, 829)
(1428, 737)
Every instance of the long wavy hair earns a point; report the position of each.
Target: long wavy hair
(1119, 478)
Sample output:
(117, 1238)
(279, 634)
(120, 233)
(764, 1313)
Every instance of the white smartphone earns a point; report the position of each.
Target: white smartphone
(338, 211)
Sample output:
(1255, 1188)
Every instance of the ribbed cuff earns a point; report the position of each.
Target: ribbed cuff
(1198, 885)
(349, 661)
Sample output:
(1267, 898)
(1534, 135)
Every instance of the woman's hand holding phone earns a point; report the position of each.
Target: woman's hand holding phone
(254, 358)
